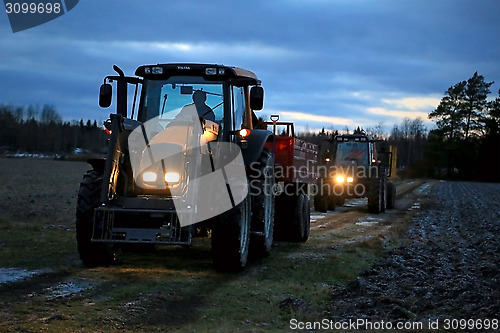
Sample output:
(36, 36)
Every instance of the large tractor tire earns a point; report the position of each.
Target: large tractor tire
(307, 220)
(321, 202)
(91, 254)
(301, 222)
(375, 196)
(391, 195)
(231, 238)
(263, 206)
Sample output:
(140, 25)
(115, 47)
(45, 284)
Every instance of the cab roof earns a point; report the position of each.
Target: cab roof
(354, 137)
(210, 72)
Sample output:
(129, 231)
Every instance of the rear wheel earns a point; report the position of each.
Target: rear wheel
(92, 254)
(307, 219)
(300, 226)
(263, 206)
(230, 238)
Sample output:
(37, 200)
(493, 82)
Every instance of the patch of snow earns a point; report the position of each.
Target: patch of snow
(416, 205)
(366, 223)
(356, 202)
(68, 288)
(314, 218)
(423, 189)
(15, 274)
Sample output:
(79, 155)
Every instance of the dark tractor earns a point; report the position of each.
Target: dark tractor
(356, 166)
(183, 160)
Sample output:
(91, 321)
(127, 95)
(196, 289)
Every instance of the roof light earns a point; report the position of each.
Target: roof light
(210, 71)
(222, 71)
(327, 159)
(350, 179)
(157, 70)
(339, 179)
(147, 70)
(363, 139)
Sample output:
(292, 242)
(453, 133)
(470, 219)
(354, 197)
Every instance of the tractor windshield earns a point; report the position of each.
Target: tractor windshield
(349, 152)
(169, 100)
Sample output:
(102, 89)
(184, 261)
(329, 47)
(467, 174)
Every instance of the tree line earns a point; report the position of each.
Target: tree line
(464, 145)
(36, 129)
(466, 142)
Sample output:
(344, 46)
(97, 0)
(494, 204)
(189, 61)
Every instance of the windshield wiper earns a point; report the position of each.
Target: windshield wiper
(164, 101)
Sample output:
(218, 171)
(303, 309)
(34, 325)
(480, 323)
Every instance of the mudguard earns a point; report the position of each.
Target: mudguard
(252, 145)
(97, 164)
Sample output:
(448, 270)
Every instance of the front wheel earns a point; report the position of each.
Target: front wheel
(231, 238)
(91, 254)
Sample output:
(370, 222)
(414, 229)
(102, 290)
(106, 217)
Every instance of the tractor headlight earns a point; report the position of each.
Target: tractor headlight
(149, 177)
(350, 179)
(172, 177)
(339, 179)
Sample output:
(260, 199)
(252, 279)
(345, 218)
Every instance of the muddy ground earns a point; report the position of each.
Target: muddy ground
(433, 257)
(450, 270)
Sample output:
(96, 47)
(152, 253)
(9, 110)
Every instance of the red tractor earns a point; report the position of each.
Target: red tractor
(185, 160)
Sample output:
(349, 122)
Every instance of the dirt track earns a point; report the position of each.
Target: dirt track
(450, 269)
(447, 268)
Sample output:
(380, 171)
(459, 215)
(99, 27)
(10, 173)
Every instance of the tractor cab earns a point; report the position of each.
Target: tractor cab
(179, 147)
(354, 149)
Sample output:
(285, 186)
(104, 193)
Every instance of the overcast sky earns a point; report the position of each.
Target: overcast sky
(322, 63)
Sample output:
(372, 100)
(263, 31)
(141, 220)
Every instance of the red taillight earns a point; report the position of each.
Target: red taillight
(244, 132)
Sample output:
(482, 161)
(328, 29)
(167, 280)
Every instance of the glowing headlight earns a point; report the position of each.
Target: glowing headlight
(350, 179)
(339, 179)
(172, 177)
(149, 177)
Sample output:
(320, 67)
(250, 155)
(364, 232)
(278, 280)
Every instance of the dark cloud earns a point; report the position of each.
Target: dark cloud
(328, 58)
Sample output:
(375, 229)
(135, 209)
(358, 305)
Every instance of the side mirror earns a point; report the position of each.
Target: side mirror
(105, 94)
(256, 98)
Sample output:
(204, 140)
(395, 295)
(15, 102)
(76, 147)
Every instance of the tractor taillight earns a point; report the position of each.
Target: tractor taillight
(244, 132)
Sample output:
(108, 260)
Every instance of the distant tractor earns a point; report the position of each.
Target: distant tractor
(357, 166)
(184, 159)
